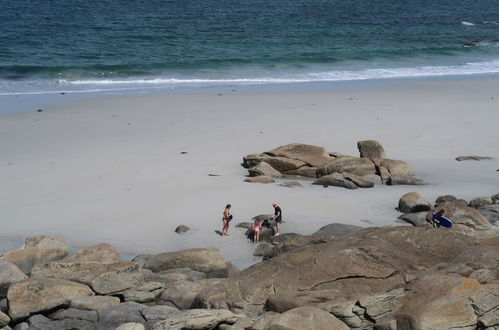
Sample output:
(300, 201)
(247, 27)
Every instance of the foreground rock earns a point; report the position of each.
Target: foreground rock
(351, 271)
(94, 303)
(413, 202)
(209, 261)
(37, 295)
(197, 319)
(334, 229)
(102, 278)
(332, 169)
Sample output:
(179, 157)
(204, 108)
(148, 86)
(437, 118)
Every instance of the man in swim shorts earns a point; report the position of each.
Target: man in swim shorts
(277, 216)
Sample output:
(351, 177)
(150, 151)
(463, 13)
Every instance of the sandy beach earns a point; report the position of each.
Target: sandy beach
(127, 170)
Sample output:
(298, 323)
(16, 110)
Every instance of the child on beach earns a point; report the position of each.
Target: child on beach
(257, 225)
(226, 218)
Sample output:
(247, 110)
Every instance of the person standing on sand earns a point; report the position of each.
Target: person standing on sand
(277, 216)
(226, 218)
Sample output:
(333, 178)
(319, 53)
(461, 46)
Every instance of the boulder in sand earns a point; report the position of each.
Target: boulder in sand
(182, 229)
(263, 169)
(37, 295)
(413, 202)
(103, 253)
(371, 149)
(348, 164)
(309, 154)
(208, 260)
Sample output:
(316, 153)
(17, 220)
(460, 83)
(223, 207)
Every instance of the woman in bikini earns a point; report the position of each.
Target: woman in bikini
(226, 218)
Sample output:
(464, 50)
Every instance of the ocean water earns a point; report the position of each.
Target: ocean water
(49, 46)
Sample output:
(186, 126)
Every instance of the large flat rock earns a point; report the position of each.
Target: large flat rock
(37, 295)
(102, 278)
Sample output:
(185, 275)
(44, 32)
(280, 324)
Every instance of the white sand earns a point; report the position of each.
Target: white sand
(111, 170)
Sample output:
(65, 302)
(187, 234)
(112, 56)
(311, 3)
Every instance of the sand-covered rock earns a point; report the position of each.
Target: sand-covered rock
(37, 295)
(413, 202)
(94, 303)
(9, 273)
(207, 260)
(197, 319)
(102, 278)
(371, 149)
(103, 253)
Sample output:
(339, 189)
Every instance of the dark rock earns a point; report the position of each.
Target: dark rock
(245, 225)
(491, 212)
(495, 198)
(461, 158)
(182, 229)
(284, 237)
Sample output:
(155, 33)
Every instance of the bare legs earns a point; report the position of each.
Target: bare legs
(225, 228)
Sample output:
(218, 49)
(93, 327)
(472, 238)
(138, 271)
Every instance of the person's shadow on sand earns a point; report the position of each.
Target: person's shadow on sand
(218, 232)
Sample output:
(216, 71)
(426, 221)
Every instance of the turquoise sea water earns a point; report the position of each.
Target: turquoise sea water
(92, 45)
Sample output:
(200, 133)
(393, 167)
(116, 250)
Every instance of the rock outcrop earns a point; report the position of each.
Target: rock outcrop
(332, 169)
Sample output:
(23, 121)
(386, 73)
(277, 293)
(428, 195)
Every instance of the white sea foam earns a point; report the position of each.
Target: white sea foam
(381, 73)
(467, 23)
(110, 85)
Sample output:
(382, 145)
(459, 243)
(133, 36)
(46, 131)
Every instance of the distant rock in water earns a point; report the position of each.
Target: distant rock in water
(331, 168)
(461, 158)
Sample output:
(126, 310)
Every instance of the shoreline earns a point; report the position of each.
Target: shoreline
(111, 170)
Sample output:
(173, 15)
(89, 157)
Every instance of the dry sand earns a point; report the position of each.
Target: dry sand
(111, 170)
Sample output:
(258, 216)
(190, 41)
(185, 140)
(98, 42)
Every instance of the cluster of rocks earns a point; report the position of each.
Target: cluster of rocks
(479, 213)
(341, 277)
(42, 287)
(330, 168)
(376, 278)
